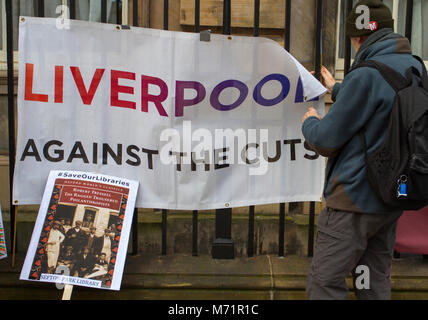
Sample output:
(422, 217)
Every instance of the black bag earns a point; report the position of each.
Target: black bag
(398, 170)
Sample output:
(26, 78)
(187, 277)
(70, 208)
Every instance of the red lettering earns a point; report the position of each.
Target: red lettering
(87, 95)
(59, 84)
(157, 100)
(29, 95)
(116, 89)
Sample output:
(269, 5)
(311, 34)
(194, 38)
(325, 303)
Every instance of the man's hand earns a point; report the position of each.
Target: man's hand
(327, 79)
(311, 113)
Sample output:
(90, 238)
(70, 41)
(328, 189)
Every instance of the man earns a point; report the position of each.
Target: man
(67, 258)
(64, 232)
(100, 267)
(67, 225)
(103, 244)
(85, 263)
(88, 221)
(356, 229)
(75, 237)
(53, 245)
(61, 227)
(90, 239)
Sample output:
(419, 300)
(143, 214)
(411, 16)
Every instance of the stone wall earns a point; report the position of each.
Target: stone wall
(179, 232)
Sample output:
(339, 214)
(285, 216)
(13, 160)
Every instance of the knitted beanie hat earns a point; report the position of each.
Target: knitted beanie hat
(380, 18)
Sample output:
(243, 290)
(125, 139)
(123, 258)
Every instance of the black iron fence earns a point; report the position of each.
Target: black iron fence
(222, 247)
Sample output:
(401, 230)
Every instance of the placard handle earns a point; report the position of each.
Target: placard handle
(68, 290)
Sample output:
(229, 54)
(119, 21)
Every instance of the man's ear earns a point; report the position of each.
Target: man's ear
(362, 39)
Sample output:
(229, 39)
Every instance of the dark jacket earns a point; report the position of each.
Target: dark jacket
(89, 241)
(86, 263)
(98, 245)
(75, 239)
(363, 103)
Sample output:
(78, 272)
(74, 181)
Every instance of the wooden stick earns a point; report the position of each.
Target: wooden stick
(15, 213)
(68, 290)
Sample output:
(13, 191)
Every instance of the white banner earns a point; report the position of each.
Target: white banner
(201, 125)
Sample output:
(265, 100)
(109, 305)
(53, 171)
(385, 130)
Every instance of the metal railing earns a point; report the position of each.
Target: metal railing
(223, 243)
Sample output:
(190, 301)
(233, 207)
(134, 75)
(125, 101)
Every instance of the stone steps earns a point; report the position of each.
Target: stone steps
(185, 277)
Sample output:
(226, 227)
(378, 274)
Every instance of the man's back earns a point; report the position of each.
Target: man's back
(356, 229)
(363, 103)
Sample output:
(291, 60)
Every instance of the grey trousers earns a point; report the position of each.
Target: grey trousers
(346, 240)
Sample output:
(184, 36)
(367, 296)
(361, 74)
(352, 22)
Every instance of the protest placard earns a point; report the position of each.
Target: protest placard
(82, 230)
(3, 249)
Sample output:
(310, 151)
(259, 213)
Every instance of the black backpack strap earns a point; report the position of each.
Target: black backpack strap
(424, 76)
(395, 79)
(362, 135)
(424, 68)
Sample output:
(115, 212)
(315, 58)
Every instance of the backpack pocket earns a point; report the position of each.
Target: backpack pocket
(418, 177)
(419, 163)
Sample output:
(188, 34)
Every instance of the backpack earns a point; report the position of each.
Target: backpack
(398, 169)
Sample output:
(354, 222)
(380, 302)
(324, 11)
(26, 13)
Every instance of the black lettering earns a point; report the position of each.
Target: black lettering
(130, 152)
(95, 153)
(292, 144)
(34, 153)
(315, 156)
(244, 153)
(205, 161)
(218, 158)
(179, 156)
(78, 147)
(58, 152)
(277, 154)
(117, 157)
(150, 154)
